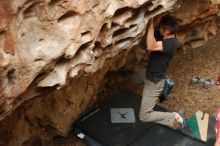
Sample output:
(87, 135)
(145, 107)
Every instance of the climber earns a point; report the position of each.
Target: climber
(161, 54)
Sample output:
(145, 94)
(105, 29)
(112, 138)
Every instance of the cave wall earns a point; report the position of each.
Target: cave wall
(46, 43)
(54, 55)
(42, 118)
(197, 20)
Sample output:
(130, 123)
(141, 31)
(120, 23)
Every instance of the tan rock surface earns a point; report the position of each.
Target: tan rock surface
(46, 43)
(197, 21)
(69, 45)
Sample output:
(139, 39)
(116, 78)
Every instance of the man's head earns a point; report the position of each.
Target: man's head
(168, 25)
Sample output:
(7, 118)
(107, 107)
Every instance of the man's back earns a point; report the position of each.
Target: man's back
(159, 60)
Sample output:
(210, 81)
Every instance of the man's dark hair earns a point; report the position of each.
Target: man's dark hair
(169, 23)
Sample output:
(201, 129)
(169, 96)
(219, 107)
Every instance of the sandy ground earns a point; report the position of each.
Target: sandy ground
(203, 62)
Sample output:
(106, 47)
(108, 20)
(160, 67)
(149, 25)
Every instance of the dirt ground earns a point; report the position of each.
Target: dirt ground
(203, 62)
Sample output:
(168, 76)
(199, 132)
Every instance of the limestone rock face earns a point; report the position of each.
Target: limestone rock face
(46, 43)
(197, 20)
(54, 55)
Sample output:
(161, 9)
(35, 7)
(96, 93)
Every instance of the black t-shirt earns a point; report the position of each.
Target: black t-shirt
(159, 60)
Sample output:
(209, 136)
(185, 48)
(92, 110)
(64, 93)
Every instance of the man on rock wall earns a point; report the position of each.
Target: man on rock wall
(162, 52)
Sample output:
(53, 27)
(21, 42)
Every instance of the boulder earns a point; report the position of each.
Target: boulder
(54, 55)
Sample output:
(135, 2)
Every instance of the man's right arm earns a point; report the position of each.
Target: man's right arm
(152, 44)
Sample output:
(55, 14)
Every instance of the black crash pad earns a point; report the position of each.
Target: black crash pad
(96, 128)
(162, 136)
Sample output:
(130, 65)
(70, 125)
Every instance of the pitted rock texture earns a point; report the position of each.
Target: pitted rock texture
(69, 45)
(46, 43)
(41, 119)
(197, 20)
